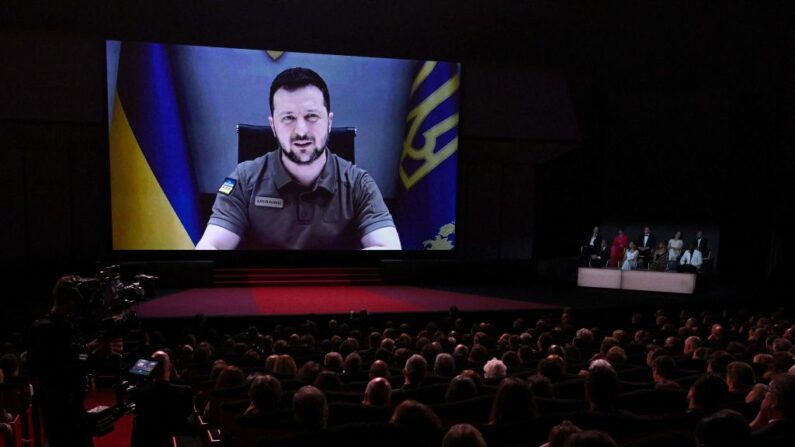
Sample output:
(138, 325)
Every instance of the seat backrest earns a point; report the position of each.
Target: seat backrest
(253, 141)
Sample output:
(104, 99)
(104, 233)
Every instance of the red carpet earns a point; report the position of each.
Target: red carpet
(244, 301)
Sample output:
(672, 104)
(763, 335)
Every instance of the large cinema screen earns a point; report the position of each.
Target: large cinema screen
(346, 153)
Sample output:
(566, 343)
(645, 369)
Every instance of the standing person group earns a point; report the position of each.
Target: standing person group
(644, 252)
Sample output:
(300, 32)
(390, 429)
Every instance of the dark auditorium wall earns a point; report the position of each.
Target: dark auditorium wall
(572, 112)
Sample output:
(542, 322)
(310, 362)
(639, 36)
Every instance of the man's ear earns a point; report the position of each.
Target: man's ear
(270, 121)
(330, 117)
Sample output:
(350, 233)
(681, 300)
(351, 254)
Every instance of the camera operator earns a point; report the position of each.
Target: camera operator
(162, 408)
(60, 360)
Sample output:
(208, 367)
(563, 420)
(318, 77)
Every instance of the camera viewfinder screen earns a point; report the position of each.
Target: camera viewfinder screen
(143, 367)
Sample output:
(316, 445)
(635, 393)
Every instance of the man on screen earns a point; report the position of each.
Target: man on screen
(300, 196)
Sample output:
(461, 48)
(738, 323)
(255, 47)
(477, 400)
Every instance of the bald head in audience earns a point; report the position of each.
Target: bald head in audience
(378, 393)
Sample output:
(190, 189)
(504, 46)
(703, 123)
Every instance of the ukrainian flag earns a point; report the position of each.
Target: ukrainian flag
(154, 198)
(426, 198)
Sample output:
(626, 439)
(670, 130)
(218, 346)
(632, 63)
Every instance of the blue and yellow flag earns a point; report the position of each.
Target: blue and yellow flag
(153, 188)
(426, 198)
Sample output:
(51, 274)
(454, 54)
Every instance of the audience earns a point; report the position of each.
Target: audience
(497, 376)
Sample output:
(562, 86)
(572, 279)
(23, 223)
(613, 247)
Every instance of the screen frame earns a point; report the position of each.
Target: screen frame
(265, 258)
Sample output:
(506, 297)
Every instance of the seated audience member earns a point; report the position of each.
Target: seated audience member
(444, 365)
(691, 344)
(333, 362)
(724, 428)
(601, 257)
(309, 372)
(162, 409)
(513, 402)
(494, 371)
(284, 365)
(602, 389)
(265, 394)
(310, 409)
(590, 438)
(463, 435)
(230, 377)
(552, 368)
(414, 371)
(663, 371)
(379, 368)
(776, 416)
(378, 393)
(559, 434)
(541, 386)
(616, 356)
(630, 257)
(707, 395)
(328, 381)
(718, 362)
(352, 367)
(659, 259)
(420, 420)
(461, 388)
(740, 378)
(691, 260)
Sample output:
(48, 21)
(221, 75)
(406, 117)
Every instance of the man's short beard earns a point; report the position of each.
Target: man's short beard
(295, 159)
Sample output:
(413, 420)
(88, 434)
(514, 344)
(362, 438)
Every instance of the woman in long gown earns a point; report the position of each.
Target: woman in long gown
(620, 242)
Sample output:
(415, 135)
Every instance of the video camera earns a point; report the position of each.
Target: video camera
(106, 300)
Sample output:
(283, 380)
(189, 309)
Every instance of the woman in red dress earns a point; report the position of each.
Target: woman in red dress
(617, 249)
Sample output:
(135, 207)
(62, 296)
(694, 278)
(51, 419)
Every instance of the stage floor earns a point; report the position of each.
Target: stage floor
(272, 301)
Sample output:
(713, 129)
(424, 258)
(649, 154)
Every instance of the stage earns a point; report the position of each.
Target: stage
(322, 300)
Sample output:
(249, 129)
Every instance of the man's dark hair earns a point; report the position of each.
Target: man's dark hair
(416, 368)
(463, 435)
(295, 78)
(719, 361)
(725, 428)
(417, 418)
(266, 393)
(665, 366)
(602, 388)
(782, 386)
(460, 388)
(710, 392)
(514, 401)
(590, 438)
(551, 369)
(741, 374)
(310, 408)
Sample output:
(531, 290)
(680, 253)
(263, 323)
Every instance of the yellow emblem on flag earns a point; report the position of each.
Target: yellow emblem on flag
(416, 117)
(442, 239)
(274, 54)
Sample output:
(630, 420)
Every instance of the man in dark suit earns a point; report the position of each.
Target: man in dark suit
(702, 243)
(646, 245)
(776, 418)
(590, 246)
(600, 257)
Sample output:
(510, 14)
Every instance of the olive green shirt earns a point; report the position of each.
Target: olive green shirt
(261, 203)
